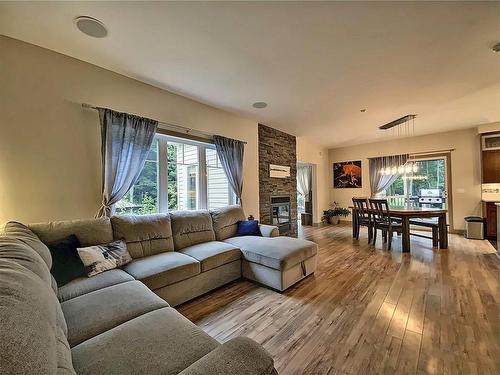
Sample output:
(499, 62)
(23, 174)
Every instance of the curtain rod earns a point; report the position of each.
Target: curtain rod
(432, 152)
(419, 153)
(181, 128)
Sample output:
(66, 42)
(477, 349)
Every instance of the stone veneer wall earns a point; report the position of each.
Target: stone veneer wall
(276, 147)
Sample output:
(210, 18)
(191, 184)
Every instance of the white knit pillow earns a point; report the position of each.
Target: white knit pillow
(100, 258)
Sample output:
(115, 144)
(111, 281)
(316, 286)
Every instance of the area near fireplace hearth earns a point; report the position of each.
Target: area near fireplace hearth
(278, 195)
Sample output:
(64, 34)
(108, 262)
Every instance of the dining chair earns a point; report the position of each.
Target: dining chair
(363, 217)
(382, 220)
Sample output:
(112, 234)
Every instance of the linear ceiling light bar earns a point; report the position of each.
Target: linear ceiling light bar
(397, 122)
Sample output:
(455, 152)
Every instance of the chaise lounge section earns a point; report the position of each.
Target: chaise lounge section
(277, 262)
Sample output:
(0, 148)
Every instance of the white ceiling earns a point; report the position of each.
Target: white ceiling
(316, 64)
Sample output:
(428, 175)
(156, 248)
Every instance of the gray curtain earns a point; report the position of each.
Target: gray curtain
(230, 152)
(378, 181)
(125, 143)
(304, 180)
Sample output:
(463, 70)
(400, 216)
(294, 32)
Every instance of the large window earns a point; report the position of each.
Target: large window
(179, 174)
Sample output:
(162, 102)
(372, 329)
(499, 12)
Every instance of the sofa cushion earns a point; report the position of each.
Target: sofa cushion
(63, 354)
(145, 235)
(84, 285)
(98, 311)
(212, 254)
(279, 253)
(161, 341)
(191, 227)
(239, 355)
(24, 255)
(157, 271)
(89, 231)
(65, 365)
(32, 339)
(22, 233)
(225, 221)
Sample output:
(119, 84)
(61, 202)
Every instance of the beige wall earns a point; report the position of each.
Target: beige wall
(465, 167)
(50, 166)
(312, 153)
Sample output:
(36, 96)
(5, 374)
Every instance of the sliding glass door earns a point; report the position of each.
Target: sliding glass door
(426, 188)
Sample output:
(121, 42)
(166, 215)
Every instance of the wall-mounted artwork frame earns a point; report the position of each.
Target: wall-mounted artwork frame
(347, 174)
(279, 171)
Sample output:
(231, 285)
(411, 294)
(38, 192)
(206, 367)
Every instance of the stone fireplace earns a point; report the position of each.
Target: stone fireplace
(278, 196)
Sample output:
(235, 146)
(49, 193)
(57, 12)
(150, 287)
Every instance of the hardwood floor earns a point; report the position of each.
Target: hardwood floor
(370, 311)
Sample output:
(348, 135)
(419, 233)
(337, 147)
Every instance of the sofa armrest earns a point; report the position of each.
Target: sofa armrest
(241, 356)
(269, 230)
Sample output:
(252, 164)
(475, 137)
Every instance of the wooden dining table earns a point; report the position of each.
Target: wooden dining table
(405, 214)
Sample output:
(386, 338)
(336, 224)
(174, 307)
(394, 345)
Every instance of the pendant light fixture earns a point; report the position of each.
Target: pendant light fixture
(392, 165)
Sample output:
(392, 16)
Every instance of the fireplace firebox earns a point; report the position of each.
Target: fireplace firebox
(281, 214)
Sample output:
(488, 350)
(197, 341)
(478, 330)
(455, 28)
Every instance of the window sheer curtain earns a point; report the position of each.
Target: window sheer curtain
(230, 153)
(125, 143)
(378, 181)
(304, 180)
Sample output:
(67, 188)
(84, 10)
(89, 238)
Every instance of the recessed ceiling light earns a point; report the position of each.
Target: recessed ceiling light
(259, 105)
(91, 26)
(496, 47)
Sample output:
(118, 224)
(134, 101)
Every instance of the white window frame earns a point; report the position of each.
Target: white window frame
(202, 188)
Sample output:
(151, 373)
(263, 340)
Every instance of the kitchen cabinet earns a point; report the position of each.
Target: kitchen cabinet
(491, 220)
(491, 166)
(490, 141)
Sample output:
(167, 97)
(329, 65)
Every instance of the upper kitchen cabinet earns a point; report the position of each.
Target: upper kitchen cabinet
(490, 142)
(491, 167)
(491, 158)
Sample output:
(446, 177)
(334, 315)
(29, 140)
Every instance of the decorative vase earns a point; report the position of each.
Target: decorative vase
(334, 220)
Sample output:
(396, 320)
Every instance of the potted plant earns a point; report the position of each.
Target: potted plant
(333, 214)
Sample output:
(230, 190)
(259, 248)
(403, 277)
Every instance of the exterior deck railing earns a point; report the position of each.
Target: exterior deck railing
(400, 200)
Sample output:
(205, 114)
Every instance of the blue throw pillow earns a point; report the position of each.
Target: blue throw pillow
(248, 228)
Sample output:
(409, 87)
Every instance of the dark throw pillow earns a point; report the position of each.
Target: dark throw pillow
(248, 228)
(100, 258)
(66, 264)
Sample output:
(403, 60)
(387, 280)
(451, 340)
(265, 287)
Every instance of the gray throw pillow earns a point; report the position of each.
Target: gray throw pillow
(100, 258)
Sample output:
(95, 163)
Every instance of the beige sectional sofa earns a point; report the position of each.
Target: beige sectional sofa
(112, 323)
